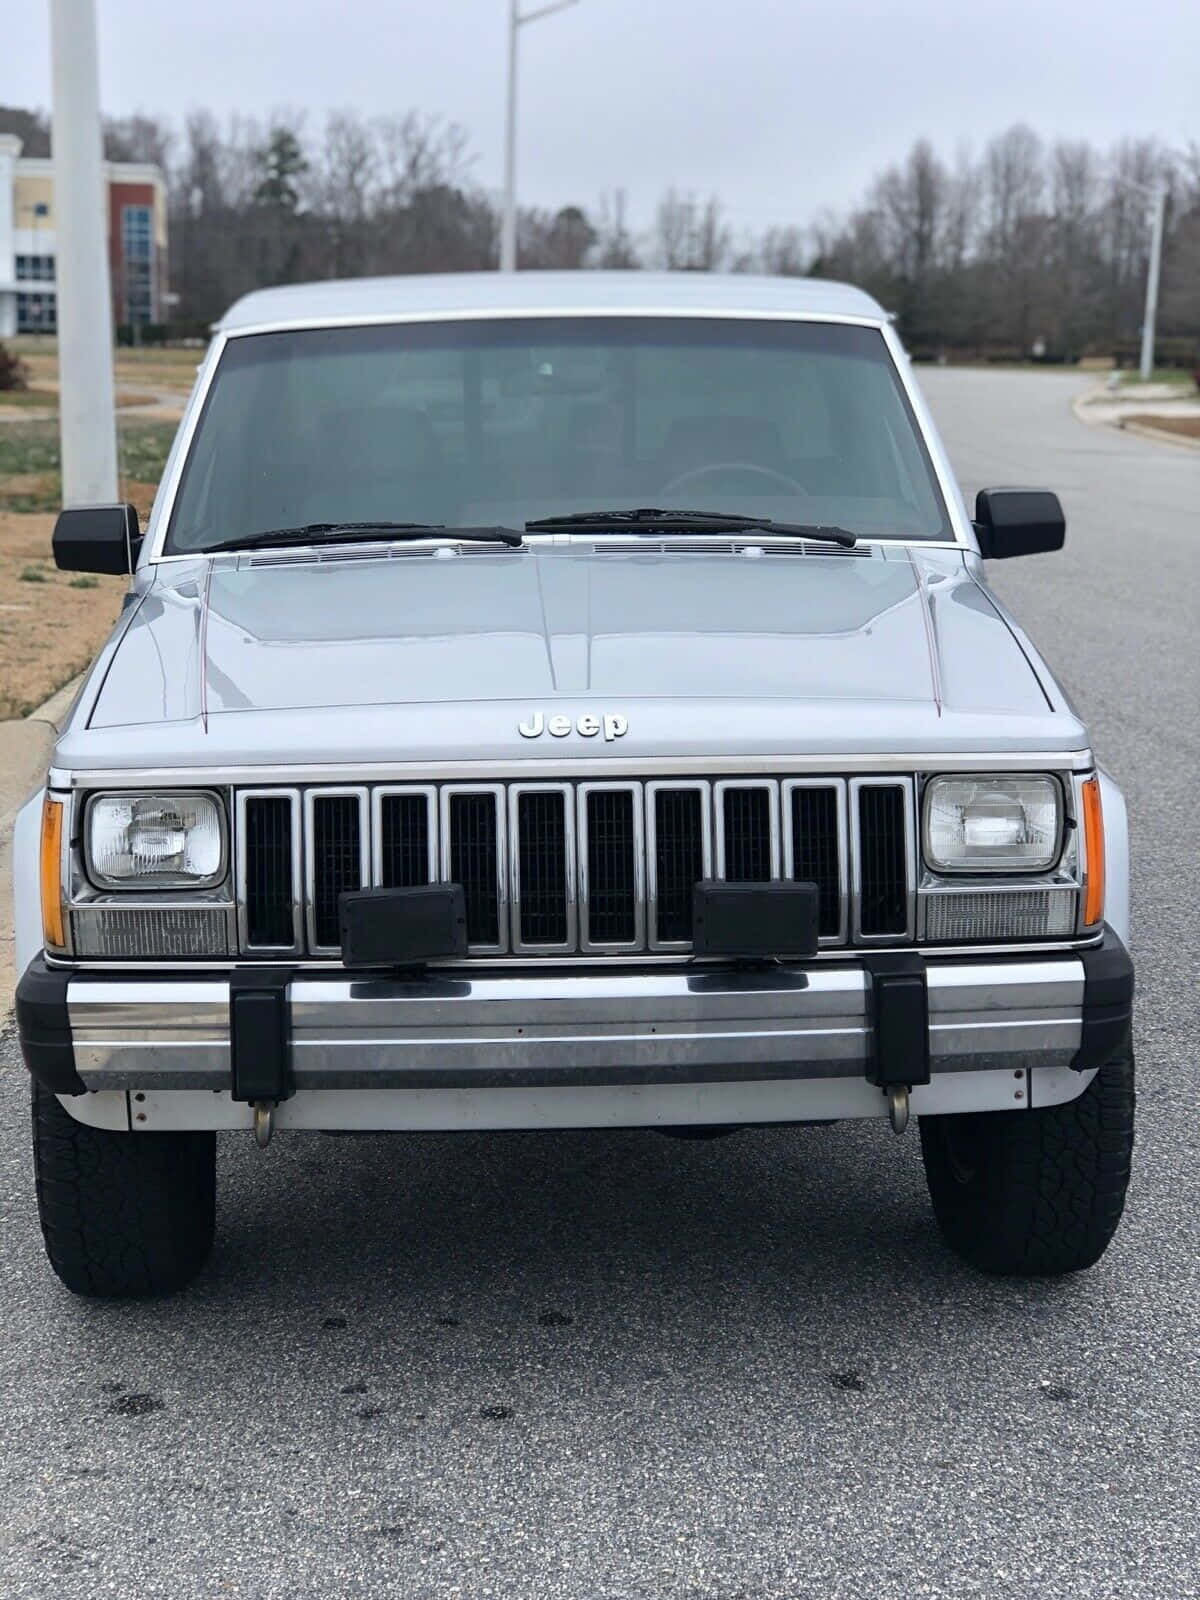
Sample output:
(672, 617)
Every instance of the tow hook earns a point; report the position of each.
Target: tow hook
(264, 1122)
(897, 1099)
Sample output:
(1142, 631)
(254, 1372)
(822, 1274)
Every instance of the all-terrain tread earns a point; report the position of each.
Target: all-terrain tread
(122, 1214)
(1049, 1185)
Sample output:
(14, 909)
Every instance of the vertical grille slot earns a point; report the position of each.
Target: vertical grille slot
(613, 845)
(336, 847)
(545, 867)
(883, 860)
(268, 877)
(748, 837)
(816, 852)
(474, 861)
(405, 844)
(679, 860)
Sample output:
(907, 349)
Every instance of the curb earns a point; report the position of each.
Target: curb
(1081, 402)
(1126, 424)
(55, 709)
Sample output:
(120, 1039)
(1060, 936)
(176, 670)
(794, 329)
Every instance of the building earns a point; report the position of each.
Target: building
(136, 216)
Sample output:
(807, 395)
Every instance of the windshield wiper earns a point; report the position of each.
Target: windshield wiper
(349, 532)
(655, 520)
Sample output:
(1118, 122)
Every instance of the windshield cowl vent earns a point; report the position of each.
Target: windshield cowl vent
(732, 547)
(440, 549)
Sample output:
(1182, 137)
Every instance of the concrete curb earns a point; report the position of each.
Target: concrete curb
(1081, 402)
(1127, 423)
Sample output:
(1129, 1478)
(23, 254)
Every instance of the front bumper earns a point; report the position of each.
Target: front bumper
(751, 1034)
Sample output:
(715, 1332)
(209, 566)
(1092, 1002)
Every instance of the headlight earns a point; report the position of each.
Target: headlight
(992, 823)
(152, 841)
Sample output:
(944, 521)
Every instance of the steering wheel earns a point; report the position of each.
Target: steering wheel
(695, 474)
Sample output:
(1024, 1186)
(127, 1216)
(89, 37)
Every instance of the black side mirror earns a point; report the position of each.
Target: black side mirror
(1018, 522)
(97, 539)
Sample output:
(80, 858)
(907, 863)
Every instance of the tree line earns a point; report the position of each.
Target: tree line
(1026, 248)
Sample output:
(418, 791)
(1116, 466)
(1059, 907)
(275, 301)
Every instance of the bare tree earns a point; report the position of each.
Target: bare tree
(688, 236)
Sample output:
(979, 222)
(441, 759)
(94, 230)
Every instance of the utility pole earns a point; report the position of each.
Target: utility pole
(1152, 277)
(87, 418)
(508, 223)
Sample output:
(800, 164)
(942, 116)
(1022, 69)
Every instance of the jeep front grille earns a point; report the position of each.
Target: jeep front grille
(562, 869)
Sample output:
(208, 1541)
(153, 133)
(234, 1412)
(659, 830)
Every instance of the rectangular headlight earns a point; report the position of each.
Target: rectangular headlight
(155, 841)
(992, 822)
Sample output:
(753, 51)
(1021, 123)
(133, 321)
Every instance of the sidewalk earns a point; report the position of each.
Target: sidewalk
(25, 747)
(1137, 408)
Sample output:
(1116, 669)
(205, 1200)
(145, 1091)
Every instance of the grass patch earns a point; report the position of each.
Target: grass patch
(29, 399)
(30, 464)
(32, 575)
(1177, 377)
(86, 581)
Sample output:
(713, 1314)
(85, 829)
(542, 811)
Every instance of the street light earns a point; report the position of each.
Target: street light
(1152, 276)
(508, 225)
(1157, 194)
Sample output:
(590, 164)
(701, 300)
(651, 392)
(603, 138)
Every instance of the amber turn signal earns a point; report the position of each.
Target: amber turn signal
(53, 930)
(1093, 839)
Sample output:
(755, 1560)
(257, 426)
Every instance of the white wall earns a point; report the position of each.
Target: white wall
(10, 149)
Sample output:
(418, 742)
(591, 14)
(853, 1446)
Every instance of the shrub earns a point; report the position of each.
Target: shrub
(14, 374)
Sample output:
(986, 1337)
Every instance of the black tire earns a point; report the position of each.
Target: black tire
(1035, 1192)
(122, 1214)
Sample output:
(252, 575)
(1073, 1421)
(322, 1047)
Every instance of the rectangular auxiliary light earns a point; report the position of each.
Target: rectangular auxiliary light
(969, 916)
(150, 933)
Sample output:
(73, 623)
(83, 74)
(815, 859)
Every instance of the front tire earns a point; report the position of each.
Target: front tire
(122, 1214)
(1035, 1192)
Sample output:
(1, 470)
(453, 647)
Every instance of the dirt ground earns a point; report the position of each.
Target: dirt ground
(1186, 427)
(51, 623)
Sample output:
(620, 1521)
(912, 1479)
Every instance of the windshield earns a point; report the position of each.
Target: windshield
(501, 422)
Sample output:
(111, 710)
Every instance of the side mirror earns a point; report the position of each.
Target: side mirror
(97, 539)
(1018, 522)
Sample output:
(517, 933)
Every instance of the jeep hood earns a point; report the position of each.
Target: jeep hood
(420, 654)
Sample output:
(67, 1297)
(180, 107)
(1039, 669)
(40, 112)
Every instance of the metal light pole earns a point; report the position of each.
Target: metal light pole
(87, 419)
(1152, 277)
(508, 223)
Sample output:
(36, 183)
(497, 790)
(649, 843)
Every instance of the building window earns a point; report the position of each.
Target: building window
(35, 269)
(137, 255)
(37, 313)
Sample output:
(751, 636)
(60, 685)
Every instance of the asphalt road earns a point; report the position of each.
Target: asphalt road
(618, 1367)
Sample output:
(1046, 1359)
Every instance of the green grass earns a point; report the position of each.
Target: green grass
(30, 399)
(1172, 375)
(32, 575)
(85, 582)
(30, 450)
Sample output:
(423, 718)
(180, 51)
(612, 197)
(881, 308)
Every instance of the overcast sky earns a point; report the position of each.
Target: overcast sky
(783, 107)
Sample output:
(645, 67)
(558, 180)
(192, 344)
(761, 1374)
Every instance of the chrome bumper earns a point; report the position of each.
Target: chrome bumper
(543, 1030)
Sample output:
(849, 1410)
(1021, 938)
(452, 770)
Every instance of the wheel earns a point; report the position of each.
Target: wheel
(122, 1213)
(1035, 1192)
